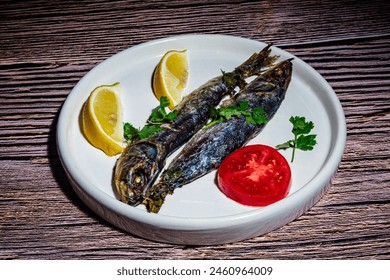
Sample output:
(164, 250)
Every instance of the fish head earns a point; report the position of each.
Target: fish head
(135, 171)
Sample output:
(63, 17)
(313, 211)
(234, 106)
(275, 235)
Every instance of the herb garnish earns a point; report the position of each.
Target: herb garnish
(255, 116)
(154, 124)
(302, 139)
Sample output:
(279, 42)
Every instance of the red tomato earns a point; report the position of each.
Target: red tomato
(255, 175)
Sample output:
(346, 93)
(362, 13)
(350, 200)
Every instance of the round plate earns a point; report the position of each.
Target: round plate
(199, 213)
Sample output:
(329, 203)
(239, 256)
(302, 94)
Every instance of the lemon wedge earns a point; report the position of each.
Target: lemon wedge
(170, 77)
(101, 118)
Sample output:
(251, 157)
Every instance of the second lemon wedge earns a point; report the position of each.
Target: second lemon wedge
(101, 118)
(171, 76)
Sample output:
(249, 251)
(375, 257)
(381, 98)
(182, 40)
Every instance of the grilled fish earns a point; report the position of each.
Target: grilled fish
(208, 147)
(141, 162)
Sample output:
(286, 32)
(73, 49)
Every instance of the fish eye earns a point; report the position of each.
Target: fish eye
(138, 179)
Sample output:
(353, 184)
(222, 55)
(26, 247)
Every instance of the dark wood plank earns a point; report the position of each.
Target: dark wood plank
(97, 29)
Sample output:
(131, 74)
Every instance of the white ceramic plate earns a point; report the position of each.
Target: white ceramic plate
(199, 213)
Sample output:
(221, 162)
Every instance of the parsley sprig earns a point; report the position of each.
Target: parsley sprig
(302, 139)
(154, 124)
(255, 116)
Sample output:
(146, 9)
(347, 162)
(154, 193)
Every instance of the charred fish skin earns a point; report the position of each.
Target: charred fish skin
(141, 162)
(206, 150)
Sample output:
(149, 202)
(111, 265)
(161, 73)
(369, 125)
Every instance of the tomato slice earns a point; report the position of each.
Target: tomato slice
(255, 175)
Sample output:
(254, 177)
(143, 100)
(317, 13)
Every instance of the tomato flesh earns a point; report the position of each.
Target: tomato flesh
(255, 175)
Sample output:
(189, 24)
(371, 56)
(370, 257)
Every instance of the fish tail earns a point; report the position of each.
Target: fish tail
(254, 65)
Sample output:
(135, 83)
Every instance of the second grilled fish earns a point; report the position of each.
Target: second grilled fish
(206, 150)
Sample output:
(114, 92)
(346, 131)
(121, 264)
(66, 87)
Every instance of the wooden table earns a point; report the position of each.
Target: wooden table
(47, 46)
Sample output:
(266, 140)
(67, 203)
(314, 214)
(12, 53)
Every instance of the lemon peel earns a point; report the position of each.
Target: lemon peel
(170, 76)
(101, 118)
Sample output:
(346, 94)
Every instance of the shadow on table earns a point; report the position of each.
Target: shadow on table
(61, 178)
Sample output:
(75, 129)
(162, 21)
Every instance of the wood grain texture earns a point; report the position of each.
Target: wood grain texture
(47, 46)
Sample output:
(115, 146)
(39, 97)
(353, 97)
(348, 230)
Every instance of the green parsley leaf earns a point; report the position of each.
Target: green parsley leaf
(285, 145)
(157, 118)
(164, 102)
(159, 114)
(255, 116)
(148, 130)
(228, 113)
(130, 132)
(243, 105)
(306, 142)
(300, 126)
(171, 116)
(302, 139)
